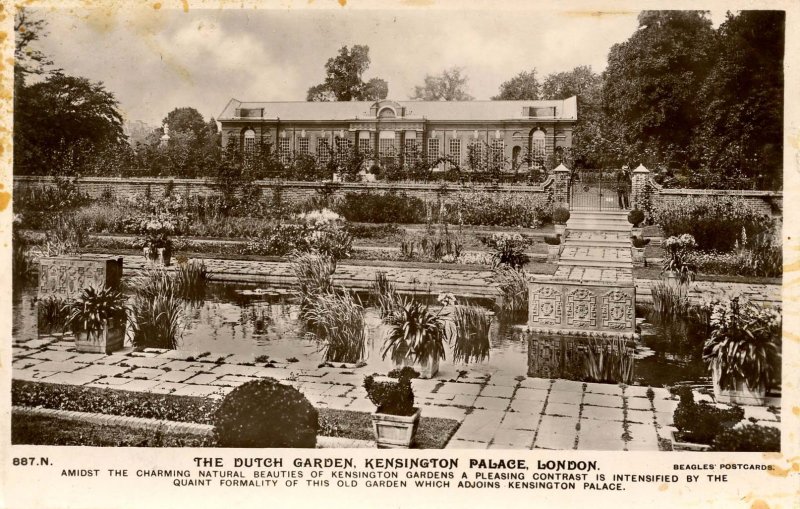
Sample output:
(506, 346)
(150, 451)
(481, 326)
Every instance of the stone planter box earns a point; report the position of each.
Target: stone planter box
(741, 394)
(561, 229)
(162, 256)
(636, 231)
(426, 370)
(395, 431)
(108, 340)
(65, 277)
(678, 445)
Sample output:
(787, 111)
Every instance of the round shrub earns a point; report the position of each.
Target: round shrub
(560, 215)
(635, 217)
(264, 413)
(552, 240)
(748, 438)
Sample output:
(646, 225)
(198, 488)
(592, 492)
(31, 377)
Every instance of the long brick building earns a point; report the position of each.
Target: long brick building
(387, 129)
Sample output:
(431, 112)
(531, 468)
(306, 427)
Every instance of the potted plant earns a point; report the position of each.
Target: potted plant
(158, 246)
(416, 334)
(676, 267)
(698, 424)
(553, 247)
(98, 318)
(743, 351)
(560, 218)
(637, 249)
(636, 218)
(395, 419)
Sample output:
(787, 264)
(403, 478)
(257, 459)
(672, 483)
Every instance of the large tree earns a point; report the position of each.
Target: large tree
(63, 121)
(523, 86)
(27, 58)
(651, 84)
(450, 85)
(185, 119)
(344, 78)
(741, 135)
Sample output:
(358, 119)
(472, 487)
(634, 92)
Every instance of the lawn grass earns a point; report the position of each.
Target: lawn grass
(45, 430)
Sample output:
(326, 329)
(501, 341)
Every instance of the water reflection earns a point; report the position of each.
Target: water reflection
(242, 319)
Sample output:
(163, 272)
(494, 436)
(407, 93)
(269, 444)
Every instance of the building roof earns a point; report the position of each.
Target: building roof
(431, 110)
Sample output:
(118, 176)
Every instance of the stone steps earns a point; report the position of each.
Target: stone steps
(593, 263)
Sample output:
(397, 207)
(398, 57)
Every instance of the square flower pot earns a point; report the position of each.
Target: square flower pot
(108, 340)
(637, 256)
(560, 229)
(395, 431)
(740, 394)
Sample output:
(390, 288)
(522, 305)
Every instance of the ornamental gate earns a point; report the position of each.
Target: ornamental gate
(598, 190)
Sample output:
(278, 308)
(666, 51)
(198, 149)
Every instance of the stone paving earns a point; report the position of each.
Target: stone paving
(498, 411)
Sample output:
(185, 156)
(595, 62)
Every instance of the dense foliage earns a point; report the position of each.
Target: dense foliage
(265, 413)
(702, 422)
(391, 397)
(748, 438)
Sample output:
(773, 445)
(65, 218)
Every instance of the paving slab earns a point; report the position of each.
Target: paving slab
(530, 394)
(146, 373)
(74, 378)
(166, 388)
(235, 369)
(53, 355)
(503, 380)
(536, 383)
(491, 403)
(552, 425)
(611, 389)
(55, 366)
(562, 409)
(572, 398)
(513, 438)
(567, 385)
(175, 376)
(459, 388)
(109, 381)
(641, 416)
(103, 370)
(202, 379)
(88, 358)
(524, 406)
(498, 391)
(140, 385)
(146, 362)
(602, 413)
(479, 425)
(196, 390)
(456, 443)
(444, 412)
(179, 365)
(607, 400)
(557, 441)
(520, 421)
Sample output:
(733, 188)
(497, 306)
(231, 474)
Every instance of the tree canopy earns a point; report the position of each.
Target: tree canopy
(523, 86)
(187, 120)
(450, 85)
(344, 81)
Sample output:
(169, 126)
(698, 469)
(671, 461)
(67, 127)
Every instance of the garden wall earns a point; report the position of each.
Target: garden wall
(770, 202)
(292, 192)
(767, 202)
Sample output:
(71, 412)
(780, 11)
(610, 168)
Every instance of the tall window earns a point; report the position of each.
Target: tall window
(249, 142)
(455, 150)
(433, 150)
(386, 145)
(410, 146)
(284, 149)
(323, 150)
(365, 143)
(342, 149)
(498, 151)
(538, 150)
(302, 146)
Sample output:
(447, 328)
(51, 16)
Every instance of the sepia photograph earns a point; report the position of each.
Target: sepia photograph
(404, 225)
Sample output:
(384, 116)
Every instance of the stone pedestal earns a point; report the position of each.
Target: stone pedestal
(65, 277)
(586, 309)
(561, 186)
(640, 179)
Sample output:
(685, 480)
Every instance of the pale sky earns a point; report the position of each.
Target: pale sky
(154, 60)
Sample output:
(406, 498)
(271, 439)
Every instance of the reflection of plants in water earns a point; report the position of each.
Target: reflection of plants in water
(670, 300)
(513, 287)
(472, 325)
(608, 360)
(259, 317)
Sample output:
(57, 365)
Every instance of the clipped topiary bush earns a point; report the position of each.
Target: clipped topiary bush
(700, 422)
(265, 413)
(635, 217)
(552, 240)
(560, 215)
(394, 398)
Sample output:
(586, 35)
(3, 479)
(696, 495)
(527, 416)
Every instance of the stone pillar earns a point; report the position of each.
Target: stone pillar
(639, 182)
(561, 186)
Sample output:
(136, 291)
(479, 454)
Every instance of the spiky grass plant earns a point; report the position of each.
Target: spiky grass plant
(608, 360)
(338, 323)
(95, 308)
(670, 301)
(513, 287)
(415, 332)
(314, 273)
(384, 293)
(157, 310)
(52, 314)
(471, 326)
(191, 278)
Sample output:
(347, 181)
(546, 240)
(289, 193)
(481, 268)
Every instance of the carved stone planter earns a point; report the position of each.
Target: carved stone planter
(395, 431)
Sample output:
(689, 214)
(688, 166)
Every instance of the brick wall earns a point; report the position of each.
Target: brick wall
(292, 192)
(767, 202)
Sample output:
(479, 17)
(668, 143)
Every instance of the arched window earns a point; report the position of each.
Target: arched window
(538, 149)
(515, 157)
(386, 113)
(249, 142)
